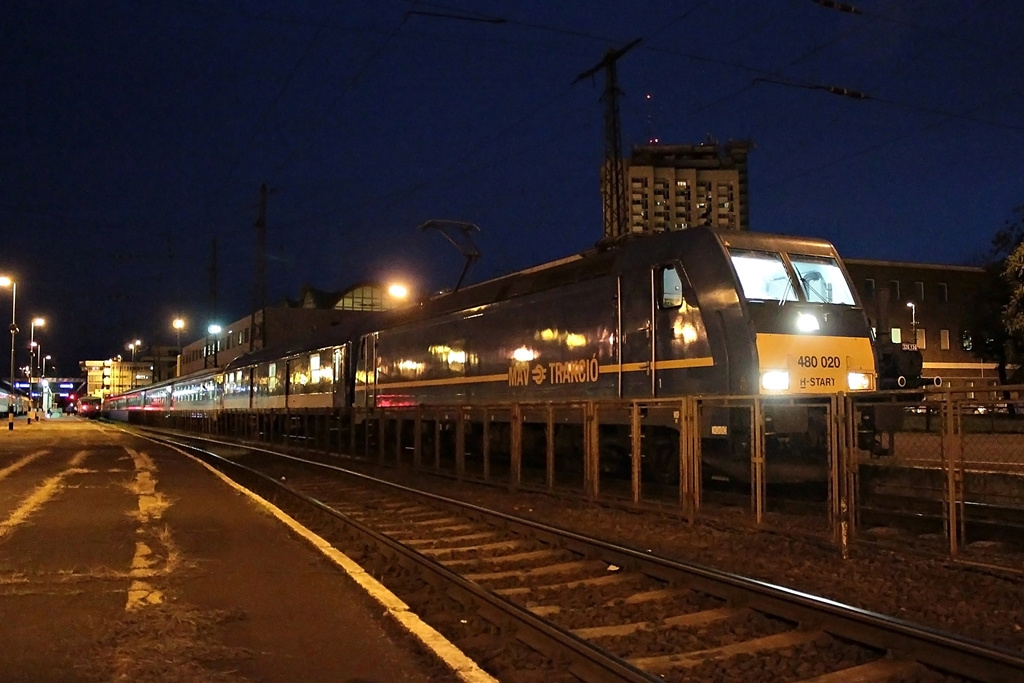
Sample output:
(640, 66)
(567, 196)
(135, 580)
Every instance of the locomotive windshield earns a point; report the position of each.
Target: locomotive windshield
(764, 276)
(822, 279)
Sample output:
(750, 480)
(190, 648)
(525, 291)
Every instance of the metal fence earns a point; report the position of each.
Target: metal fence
(935, 469)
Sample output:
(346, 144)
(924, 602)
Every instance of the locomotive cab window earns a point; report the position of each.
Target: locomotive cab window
(822, 279)
(671, 285)
(763, 275)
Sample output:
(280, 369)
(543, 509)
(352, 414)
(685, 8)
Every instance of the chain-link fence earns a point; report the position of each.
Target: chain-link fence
(943, 470)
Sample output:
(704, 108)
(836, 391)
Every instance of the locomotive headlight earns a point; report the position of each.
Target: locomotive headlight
(858, 381)
(775, 380)
(807, 322)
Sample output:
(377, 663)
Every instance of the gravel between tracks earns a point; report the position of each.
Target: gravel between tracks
(987, 605)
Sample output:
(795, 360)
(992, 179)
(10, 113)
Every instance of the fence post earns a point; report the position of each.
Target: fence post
(689, 457)
(635, 450)
(840, 432)
(486, 436)
(437, 441)
(398, 439)
(549, 460)
(516, 447)
(460, 444)
(758, 478)
(950, 444)
(417, 439)
(591, 451)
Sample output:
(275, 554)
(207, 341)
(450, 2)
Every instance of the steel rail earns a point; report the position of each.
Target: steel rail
(586, 661)
(933, 648)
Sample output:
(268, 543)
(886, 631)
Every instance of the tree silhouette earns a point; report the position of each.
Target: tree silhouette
(995, 314)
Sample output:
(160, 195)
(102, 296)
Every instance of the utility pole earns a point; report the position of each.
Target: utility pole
(616, 204)
(259, 287)
(213, 293)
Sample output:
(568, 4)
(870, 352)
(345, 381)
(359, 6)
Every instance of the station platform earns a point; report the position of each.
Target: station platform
(122, 559)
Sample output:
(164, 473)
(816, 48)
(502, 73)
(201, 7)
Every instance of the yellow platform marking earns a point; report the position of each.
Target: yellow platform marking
(464, 667)
(151, 506)
(47, 490)
(18, 464)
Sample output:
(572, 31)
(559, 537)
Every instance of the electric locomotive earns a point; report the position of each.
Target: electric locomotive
(698, 312)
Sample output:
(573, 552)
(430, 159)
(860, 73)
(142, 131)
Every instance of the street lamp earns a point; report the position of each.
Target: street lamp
(134, 347)
(34, 350)
(8, 282)
(178, 324)
(913, 319)
(215, 330)
(36, 322)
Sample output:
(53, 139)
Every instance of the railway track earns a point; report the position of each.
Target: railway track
(530, 601)
(929, 517)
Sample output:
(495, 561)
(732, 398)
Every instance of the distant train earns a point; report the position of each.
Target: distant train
(19, 401)
(698, 312)
(89, 406)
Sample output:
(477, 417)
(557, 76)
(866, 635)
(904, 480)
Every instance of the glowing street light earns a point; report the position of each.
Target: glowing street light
(8, 282)
(913, 319)
(36, 322)
(215, 330)
(178, 324)
(134, 346)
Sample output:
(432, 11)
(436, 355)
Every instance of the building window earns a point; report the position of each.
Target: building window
(919, 291)
(896, 335)
(364, 298)
(943, 293)
(869, 289)
(965, 341)
(944, 340)
(894, 290)
(921, 340)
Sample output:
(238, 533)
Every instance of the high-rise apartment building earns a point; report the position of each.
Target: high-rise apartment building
(675, 187)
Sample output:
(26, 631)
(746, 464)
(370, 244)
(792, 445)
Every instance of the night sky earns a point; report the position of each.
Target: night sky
(134, 133)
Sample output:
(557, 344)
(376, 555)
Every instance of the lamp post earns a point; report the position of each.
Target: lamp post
(34, 351)
(134, 345)
(913, 319)
(178, 324)
(8, 282)
(215, 330)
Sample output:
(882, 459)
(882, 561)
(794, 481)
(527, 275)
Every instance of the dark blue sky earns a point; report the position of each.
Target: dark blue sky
(133, 133)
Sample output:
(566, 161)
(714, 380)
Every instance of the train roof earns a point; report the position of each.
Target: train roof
(335, 334)
(602, 259)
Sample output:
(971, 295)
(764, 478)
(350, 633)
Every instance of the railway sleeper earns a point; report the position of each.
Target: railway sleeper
(679, 621)
(606, 580)
(526, 574)
(689, 660)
